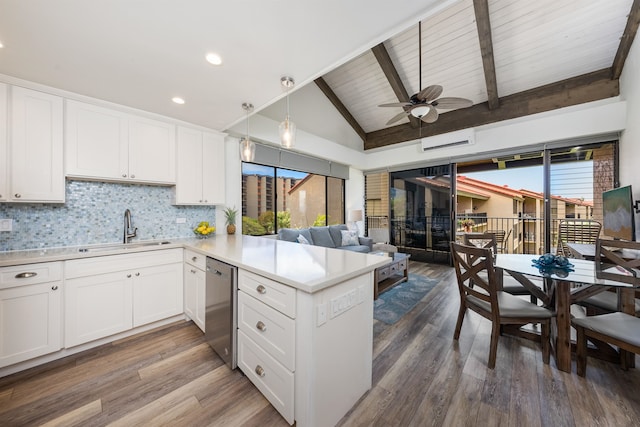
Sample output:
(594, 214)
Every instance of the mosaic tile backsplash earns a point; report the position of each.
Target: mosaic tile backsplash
(94, 213)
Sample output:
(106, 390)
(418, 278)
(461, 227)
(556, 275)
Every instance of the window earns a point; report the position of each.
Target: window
(274, 198)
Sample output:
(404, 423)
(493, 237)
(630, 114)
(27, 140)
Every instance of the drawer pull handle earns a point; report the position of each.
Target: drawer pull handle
(261, 289)
(54, 287)
(137, 274)
(26, 275)
(193, 271)
(18, 195)
(261, 326)
(194, 259)
(128, 276)
(260, 371)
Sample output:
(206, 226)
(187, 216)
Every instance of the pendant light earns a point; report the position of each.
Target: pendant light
(247, 146)
(287, 128)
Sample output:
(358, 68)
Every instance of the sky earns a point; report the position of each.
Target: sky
(253, 169)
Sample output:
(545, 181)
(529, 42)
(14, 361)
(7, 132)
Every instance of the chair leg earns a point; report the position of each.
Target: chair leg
(461, 312)
(581, 351)
(545, 332)
(493, 350)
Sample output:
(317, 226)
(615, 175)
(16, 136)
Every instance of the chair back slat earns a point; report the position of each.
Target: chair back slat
(474, 269)
(482, 240)
(576, 231)
(618, 260)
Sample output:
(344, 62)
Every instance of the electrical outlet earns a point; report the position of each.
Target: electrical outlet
(6, 224)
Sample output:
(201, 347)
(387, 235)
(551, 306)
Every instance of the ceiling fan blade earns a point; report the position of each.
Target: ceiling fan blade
(452, 102)
(395, 104)
(397, 117)
(429, 93)
(431, 116)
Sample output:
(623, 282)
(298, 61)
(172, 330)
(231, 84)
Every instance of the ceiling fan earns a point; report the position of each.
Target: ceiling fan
(423, 105)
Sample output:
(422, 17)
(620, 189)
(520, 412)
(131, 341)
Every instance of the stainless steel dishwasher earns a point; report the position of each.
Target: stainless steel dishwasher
(220, 314)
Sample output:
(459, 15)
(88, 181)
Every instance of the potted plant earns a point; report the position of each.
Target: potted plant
(466, 224)
(230, 219)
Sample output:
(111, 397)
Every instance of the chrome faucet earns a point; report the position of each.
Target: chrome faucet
(128, 234)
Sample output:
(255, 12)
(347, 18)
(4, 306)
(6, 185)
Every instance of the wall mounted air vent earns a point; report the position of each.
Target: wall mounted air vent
(448, 140)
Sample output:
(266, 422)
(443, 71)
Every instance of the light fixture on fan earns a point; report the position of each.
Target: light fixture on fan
(287, 128)
(247, 146)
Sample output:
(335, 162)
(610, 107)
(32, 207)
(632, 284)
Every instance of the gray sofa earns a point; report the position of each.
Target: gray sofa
(329, 237)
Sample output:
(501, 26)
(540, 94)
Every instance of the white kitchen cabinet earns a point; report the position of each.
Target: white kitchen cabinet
(30, 311)
(195, 287)
(200, 168)
(110, 294)
(36, 172)
(4, 159)
(110, 145)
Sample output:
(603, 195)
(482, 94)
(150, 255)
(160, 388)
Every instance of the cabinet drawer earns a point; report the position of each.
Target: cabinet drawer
(270, 329)
(30, 274)
(393, 268)
(195, 259)
(272, 293)
(402, 264)
(110, 263)
(273, 380)
(382, 273)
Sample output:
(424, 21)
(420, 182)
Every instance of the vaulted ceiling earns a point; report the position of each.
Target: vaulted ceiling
(510, 57)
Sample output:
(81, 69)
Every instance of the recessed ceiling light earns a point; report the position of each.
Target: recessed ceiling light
(213, 58)
(1, 45)
(177, 100)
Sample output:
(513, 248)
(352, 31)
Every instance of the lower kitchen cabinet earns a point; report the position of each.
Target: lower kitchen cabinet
(194, 287)
(111, 294)
(30, 311)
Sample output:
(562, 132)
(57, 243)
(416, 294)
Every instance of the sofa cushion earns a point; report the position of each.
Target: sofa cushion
(321, 237)
(291, 234)
(302, 240)
(349, 238)
(336, 233)
(357, 248)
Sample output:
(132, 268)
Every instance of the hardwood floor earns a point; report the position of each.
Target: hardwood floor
(421, 377)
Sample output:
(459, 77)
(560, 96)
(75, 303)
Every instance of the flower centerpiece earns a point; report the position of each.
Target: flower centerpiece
(204, 230)
(230, 219)
(466, 223)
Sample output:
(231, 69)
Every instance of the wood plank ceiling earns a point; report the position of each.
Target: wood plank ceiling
(510, 57)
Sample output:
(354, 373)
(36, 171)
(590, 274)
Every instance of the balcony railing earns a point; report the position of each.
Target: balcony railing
(522, 235)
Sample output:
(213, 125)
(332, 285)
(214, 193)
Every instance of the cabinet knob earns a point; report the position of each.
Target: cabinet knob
(193, 271)
(200, 201)
(260, 371)
(124, 175)
(128, 276)
(54, 287)
(133, 176)
(205, 200)
(261, 326)
(194, 259)
(137, 274)
(17, 195)
(261, 289)
(26, 275)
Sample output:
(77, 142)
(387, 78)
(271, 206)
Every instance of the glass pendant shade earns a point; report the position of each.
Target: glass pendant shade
(287, 133)
(247, 150)
(418, 112)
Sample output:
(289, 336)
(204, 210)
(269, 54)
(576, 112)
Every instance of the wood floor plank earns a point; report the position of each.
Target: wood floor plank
(421, 377)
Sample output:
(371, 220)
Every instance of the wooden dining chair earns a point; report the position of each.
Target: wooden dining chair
(489, 240)
(477, 284)
(501, 237)
(615, 260)
(576, 231)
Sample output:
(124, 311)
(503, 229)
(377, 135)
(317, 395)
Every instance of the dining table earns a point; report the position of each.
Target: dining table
(563, 287)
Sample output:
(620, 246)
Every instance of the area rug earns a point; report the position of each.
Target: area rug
(399, 300)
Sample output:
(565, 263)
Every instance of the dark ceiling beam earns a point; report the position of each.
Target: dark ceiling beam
(577, 90)
(633, 20)
(481, 8)
(390, 72)
(328, 92)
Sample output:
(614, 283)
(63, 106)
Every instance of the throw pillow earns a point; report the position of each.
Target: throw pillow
(349, 238)
(303, 240)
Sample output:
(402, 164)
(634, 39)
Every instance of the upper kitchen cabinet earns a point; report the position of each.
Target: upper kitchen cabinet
(4, 160)
(36, 172)
(201, 171)
(109, 145)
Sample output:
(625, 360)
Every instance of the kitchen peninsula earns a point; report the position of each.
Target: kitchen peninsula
(313, 360)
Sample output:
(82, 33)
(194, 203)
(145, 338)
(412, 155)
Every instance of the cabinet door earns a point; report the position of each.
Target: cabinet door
(30, 321)
(189, 167)
(152, 151)
(36, 147)
(4, 161)
(157, 293)
(194, 288)
(213, 169)
(97, 306)
(96, 142)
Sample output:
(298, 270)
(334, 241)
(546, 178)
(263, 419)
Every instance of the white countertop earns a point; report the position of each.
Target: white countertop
(304, 267)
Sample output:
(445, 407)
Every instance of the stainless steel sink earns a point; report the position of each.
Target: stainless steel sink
(121, 246)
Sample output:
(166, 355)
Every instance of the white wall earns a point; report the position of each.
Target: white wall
(630, 140)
